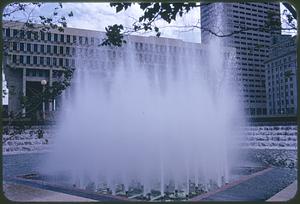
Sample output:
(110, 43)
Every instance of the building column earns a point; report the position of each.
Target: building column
(24, 91)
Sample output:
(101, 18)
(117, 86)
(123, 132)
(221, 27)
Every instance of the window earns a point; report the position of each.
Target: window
(15, 45)
(22, 47)
(28, 34)
(61, 50)
(22, 59)
(41, 60)
(7, 32)
(22, 34)
(48, 48)
(55, 37)
(48, 60)
(67, 50)
(28, 60)
(62, 38)
(49, 36)
(14, 58)
(258, 111)
(73, 51)
(74, 39)
(55, 49)
(35, 47)
(42, 35)
(54, 61)
(67, 62)
(41, 73)
(61, 62)
(68, 38)
(34, 59)
(15, 33)
(42, 49)
(28, 47)
(33, 72)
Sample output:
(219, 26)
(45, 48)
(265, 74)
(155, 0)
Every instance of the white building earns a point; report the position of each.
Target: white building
(33, 56)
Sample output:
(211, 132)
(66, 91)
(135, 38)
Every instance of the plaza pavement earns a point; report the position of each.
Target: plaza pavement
(286, 194)
(23, 193)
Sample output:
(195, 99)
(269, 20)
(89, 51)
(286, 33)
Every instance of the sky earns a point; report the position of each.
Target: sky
(96, 16)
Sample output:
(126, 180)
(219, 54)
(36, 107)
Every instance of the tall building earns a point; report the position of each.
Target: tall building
(34, 56)
(252, 46)
(281, 82)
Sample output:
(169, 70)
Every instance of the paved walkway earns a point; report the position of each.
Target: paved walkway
(23, 193)
(286, 194)
(257, 188)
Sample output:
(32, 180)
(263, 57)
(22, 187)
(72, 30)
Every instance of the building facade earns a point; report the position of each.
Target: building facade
(252, 45)
(34, 56)
(281, 80)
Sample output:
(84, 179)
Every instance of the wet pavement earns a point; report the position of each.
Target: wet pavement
(258, 188)
(21, 193)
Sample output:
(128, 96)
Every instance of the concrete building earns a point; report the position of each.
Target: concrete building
(281, 82)
(33, 56)
(252, 45)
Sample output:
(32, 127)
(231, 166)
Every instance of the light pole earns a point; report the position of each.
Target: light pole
(44, 83)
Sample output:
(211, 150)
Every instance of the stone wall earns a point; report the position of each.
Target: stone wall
(29, 141)
(272, 145)
(271, 137)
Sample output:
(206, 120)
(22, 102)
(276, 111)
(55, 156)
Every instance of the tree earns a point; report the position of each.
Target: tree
(21, 16)
(169, 12)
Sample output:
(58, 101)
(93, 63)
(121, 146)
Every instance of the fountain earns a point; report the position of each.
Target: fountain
(153, 130)
(153, 120)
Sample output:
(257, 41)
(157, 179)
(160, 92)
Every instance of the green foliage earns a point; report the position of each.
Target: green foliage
(16, 124)
(169, 12)
(54, 19)
(114, 36)
(152, 12)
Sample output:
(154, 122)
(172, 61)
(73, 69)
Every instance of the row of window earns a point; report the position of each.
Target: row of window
(286, 86)
(40, 60)
(51, 37)
(282, 111)
(281, 94)
(139, 46)
(37, 72)
(41, 48)
(42, 73)
(256, 111)
(54, 37)
(65, 50)
(287, 102)
(258, 5)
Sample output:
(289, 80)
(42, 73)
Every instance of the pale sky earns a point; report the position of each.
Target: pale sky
(96, 16)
